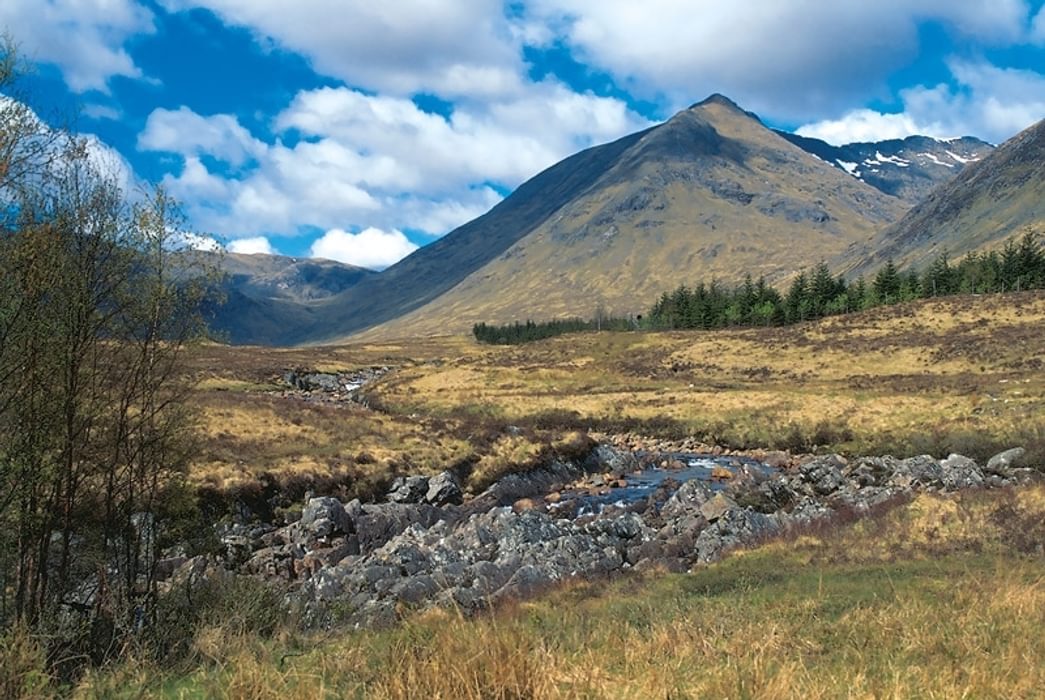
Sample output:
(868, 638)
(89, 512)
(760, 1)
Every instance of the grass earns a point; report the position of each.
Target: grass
(942, 597)
(962, 374)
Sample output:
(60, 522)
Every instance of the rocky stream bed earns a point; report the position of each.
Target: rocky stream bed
(616, 510)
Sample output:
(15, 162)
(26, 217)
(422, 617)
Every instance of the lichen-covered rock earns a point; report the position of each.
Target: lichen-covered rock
(687, 501)
(734, 528)
(1003, 462)
(823, 474)
(444, 489)
(325, 516)
(921, 471)
(409, 489)
(960, 472)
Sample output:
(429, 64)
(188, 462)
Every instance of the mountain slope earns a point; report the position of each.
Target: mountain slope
(988, 202)
(272, 297)
(432, 270)
(907, 168)
(710, 193)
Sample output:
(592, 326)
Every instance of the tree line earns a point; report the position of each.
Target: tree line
(515, 333)
(1019, 265)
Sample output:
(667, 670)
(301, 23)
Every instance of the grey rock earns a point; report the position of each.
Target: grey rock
(734, 528)
(717, 506)
(823, 474)
(444, 489)
(409, 489)
(377, 524)
(922, 471)
(325, 516)
(687, 500)
(1002, 462)
(960, 472)
(605, 458)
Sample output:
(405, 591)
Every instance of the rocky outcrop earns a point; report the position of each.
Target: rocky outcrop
(422, 548)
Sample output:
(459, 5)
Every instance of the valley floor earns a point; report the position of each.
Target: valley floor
(961, 374)
(941, 596)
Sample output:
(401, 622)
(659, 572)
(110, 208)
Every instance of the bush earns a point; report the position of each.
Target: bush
(23, 665)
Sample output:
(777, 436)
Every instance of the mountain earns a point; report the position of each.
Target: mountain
(711, 193)
(907, 168)
(272, 297)
(988, 202)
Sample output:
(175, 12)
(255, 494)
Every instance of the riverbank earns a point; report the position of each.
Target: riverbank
(940, 596)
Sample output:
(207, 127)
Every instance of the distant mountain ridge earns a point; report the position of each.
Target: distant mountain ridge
(710, 193)
(907, 168)
(987, 203)
(272, 297)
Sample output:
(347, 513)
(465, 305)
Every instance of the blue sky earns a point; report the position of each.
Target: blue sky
(360, 130)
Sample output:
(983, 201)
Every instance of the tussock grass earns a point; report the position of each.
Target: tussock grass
(936, 598)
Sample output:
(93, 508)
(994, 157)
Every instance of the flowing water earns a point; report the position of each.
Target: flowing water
(641, 485)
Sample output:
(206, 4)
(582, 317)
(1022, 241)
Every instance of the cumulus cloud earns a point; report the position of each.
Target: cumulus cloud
(183, 131)
(252, 246)
(788, 58)
(376, 160)
(84, 38)
(465, 47)
(371, 247)
(988, 102)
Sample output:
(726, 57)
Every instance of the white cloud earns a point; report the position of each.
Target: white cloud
(84, 38)
(862, 125)
(195, 241)
(102, 112)
(989, 102)
(183, 131)
(252, 246)
(787, 58)
(465, 47)
(1037, 32)
(374, 160)
(371, 247)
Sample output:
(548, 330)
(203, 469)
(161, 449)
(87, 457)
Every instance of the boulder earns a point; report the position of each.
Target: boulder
(732, 529)
(715, 508)
(921, 471)
(377, 524)
(444, 489)
(409, 489)
(687, 500)
(823, 474)
(960, 472)
(1003, 462)
(325, 516)
(605, 458)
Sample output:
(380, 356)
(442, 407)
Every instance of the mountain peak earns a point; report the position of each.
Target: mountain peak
(717, 99)
(720, 100)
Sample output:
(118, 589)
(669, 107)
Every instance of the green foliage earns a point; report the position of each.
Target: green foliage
(515, 333)
(95, 318)
(1021, 265)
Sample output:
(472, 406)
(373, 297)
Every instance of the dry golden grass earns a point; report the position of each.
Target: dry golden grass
(896, 606)
(963, 374)
(969, 365)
